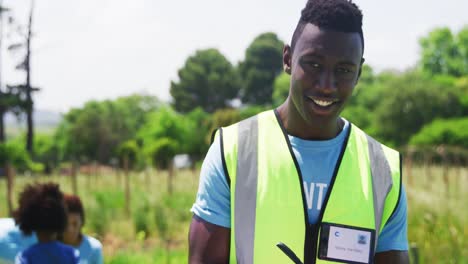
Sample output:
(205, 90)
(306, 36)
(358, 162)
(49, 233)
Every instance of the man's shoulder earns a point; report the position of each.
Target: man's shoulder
(250, 118)
(385, 148)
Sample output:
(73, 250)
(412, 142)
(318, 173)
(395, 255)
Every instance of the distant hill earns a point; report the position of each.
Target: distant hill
(44, 121)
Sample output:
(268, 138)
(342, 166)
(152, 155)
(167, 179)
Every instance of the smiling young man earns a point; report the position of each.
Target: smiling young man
(299, 183)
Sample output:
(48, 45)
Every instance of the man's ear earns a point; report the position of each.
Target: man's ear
(360, 69)
(287, 58)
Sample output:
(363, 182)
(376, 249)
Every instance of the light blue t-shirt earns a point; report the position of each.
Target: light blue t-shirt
(317, 160)
(90, 251)
(12, 240)
(47, 253)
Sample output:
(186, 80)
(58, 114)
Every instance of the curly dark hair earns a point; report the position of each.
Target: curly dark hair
(41, 208)
(337, 15)
(74, 205)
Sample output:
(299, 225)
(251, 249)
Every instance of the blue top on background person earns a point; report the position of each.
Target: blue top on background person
(12, 240)
(90, 248)
(42, 210)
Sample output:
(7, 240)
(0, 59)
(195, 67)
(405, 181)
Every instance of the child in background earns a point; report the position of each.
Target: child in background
(42, 210)
(89, 247)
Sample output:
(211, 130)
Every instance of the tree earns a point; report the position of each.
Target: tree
(163, 136)
(100, 127)
(3, 106)
(197, 144)
(281, 88)
(366, 97)
(263, 62)
(409, 102)
(207, 80)
(445, 53)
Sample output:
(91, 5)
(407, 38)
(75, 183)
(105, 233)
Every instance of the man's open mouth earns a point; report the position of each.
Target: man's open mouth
(322, 102)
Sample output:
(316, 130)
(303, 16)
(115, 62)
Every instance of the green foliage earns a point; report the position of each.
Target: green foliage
(130, 150)
(262, 63)
(108, 204)
(100, 127)
(249, 111)
(141, 217)
(453, 132)
(207, 80)
(15, 154)
(163, 136)
(45, 151)
(224, 117)
(281, 88)
(161, 217)
(198, 123)
(410, 101)
(445, 53)
(162, 151)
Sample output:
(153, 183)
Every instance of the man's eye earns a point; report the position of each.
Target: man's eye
(312, 64)
(344, 70)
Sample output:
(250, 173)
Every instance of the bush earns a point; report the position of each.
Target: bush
(16, 155)
(108, 204)
(452, 132)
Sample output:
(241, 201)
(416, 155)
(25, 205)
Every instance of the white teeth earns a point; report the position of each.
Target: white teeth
(322, 103)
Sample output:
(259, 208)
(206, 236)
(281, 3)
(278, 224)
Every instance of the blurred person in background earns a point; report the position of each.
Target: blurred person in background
(90, 248)
(42, 211)
(12, 240)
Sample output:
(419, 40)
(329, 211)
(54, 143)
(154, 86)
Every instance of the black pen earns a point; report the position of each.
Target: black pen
(286, 250)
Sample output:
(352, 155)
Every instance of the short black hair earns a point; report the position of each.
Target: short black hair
(41, 208)
(337, 15)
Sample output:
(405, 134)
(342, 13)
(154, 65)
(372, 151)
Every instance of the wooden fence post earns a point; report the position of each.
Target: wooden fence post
(445, 168)
(414, 253)
(127, 185)
(74, 181)
(409, 165)
(427, 169)
(10, 175)
(170, 179)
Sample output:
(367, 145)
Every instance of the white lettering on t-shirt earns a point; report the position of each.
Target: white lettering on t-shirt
(309, 193)
(319, 199)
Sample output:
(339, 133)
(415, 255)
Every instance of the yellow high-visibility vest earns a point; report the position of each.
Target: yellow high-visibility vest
(268, 204)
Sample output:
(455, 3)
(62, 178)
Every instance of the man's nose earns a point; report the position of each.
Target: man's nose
(327, 82)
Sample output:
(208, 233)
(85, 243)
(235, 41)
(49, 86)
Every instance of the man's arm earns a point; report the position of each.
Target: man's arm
(392, 257)
(208, 243)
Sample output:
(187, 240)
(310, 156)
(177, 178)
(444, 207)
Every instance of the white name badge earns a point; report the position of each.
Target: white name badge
(346, 244)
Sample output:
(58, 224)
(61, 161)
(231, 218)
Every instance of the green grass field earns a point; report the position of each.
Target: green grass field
(155, 230)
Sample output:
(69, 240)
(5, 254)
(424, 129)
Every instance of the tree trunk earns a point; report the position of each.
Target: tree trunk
(427, 169)
(2, 122)
(10, 175)
(2, 108)
(127, 185)
(170, 180)
(445, 172)
(29, 101)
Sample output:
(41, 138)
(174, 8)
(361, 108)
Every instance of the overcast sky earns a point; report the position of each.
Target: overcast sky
(100, 49)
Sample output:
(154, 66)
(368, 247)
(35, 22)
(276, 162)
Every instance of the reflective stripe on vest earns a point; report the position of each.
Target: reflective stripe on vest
(268, 203)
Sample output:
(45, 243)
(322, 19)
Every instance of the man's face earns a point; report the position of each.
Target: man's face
(324, 68)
